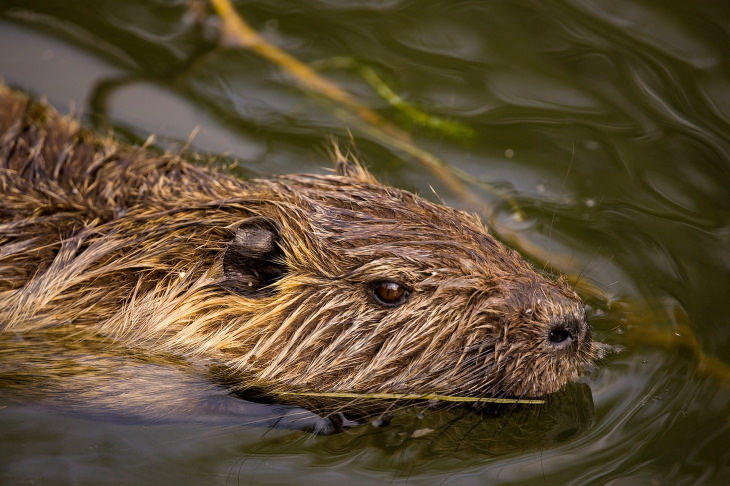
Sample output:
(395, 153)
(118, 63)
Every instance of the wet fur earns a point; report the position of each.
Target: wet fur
(131, 246)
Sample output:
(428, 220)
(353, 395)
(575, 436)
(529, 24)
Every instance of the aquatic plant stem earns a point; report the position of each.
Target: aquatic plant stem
(398, 396)
(239, 33)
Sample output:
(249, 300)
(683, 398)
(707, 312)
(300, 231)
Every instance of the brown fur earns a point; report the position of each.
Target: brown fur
(132, 246)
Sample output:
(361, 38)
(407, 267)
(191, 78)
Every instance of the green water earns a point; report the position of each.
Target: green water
(608, 122)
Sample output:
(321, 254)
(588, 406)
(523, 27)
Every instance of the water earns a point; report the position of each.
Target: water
(606, 122)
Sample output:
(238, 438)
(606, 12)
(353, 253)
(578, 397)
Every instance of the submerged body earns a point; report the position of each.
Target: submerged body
(327, 283)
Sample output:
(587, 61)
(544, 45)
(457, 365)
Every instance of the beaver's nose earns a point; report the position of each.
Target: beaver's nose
(564, 332)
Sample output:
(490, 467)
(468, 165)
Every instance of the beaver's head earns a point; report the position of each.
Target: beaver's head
(339, 283)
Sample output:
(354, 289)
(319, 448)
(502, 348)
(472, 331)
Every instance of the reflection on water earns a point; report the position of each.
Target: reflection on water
(609, 124)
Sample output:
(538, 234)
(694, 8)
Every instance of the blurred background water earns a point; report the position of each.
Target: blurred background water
(606, 122)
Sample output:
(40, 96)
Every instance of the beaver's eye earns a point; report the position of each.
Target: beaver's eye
(389, 293)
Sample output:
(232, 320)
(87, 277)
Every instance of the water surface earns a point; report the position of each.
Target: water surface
(608, 122)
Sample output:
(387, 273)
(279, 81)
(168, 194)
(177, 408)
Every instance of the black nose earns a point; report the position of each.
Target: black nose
(564, 332)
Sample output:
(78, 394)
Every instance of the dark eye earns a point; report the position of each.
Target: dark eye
(389, 293)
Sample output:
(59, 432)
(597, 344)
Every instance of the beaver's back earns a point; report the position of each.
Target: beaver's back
(58, 179)
(49, 164)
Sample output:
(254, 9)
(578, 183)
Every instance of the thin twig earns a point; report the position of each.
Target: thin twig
(239, 33)
(398, 396)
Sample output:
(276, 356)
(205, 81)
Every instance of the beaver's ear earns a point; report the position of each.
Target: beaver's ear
(347, 165)
(254, 260)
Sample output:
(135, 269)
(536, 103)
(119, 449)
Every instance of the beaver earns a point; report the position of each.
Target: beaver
(324, 283)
